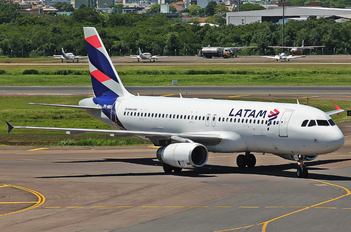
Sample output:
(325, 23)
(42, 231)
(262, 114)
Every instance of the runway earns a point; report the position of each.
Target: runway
(189, 91)
(125, 189)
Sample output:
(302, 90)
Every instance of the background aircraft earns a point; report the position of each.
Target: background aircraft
(145, 56)
(297, 50)
(283, 57)
(186, 129)
(68, 56)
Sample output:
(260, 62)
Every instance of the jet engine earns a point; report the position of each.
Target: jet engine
(310, 158)
(183, 155)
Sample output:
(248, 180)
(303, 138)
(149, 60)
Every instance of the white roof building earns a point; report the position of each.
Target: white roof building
(273, 15)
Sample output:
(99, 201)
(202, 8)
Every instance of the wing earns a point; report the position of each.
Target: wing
(293, 57)
(203, 138)
(80, 57)
(280, 47)
(271, 57)
(238, 48)
(337, 111)
(134, 57)
(57, 56)
(158, 57)
(69, 106)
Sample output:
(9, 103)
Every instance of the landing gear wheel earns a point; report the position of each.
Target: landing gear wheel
(241, 161)
(251, 160)
(177, 170)
(167, 168)
(302, 171)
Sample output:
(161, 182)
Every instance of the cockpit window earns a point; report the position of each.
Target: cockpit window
(312, 123)
(322, 122)
(304, 123)
(332, 123)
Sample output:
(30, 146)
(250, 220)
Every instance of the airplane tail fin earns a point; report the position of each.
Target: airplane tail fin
(63, 53)
(105, 79)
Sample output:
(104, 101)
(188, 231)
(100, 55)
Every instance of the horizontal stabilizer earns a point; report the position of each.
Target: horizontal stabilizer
(69, 106)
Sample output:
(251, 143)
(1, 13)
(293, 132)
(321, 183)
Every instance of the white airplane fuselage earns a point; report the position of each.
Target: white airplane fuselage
(242, 125)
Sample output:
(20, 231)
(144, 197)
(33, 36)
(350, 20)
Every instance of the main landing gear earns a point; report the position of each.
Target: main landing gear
(302, 171)
(248, 160)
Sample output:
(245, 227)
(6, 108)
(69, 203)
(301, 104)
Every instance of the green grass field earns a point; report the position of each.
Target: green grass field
(186, 76)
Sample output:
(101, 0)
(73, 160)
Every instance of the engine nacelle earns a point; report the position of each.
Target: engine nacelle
(183, 155)
(310, 158)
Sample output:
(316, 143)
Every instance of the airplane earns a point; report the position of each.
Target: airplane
(297, 50)
(187, 129)
(145, 56)
(283, 57)
(68, 56)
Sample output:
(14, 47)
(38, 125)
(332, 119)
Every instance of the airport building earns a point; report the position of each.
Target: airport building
(274, 15)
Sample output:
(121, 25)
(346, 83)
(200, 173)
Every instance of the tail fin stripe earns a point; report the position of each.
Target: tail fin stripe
(97, 74)
(94, 41)
(100, 61)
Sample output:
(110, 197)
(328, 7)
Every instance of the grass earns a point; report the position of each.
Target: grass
(17, 112)
(186, 76)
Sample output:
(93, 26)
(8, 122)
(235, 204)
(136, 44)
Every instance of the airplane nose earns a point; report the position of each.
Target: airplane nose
(334, 139)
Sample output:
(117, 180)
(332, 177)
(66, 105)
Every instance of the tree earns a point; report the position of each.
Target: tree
(119, 8)
(194, 10)
(64, 6)
(210, 8)
(216, 19)
(155, 8)
(221, 9)
(249, 7)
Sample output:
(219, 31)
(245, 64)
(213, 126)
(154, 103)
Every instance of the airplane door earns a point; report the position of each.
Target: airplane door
(207, 122)
(283, 123)
(213, 121)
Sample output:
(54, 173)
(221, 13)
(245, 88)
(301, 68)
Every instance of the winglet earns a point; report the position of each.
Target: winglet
(10, 127)
(337, 108)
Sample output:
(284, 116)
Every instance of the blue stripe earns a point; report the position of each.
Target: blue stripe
(100, 62)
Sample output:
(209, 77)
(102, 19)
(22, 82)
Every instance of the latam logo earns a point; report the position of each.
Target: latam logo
(273, 115)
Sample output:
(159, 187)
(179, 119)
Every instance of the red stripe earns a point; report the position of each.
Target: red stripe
(100, 76)
(94, 41)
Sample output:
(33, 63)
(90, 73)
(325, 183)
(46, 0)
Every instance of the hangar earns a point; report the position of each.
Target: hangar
(273, 15)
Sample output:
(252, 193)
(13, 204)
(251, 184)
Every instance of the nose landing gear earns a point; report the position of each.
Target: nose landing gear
(302, 171)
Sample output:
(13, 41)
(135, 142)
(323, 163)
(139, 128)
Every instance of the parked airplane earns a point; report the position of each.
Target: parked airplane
(188, 128)
(68, 56)
(283, 57)
(146, 56)
(297, 50)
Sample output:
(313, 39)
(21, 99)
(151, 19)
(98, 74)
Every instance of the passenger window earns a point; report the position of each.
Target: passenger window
(322, 123)
(332, 123)
(304, 123)
(312, 123)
